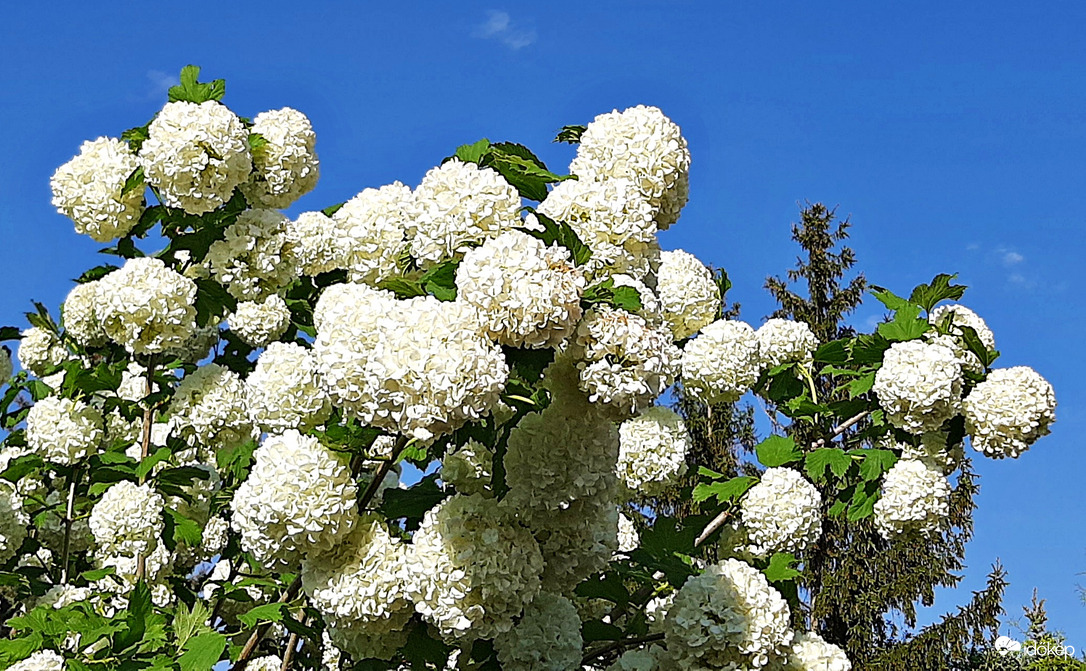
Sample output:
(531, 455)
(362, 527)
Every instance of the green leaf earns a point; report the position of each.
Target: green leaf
(180, 529)
(861, 385)
(139, 608)
(96, 273)
(403, 288)
(606, 586)
(202, 652)
(424, 651)
(152, 460)
(907, 324)
(570, 134)
(97, 574)
(134, 183)
(521, 168)
(709, 473)
(939, 289)
(863, 501)
(213, 302)
(440, 281)
(413, 502)
(976, 346)
(332, 209)
(777, 451)
(594, 630)
(473, 153)
(135, 137)
(18, 649)
(561, 233)
(780, 568)
(191, 90)
(269, 612)
(888, 298)
(834, 458)
(833, 352)
(875, 463)
(726, 491)
(257, 142)
(868, 349)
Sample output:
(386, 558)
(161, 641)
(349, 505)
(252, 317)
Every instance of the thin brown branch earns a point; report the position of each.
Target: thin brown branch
(841, 428)
(379, 476)
(712, 526)
(69, 514)
(254, 639)
(145, 447)
(619, 645)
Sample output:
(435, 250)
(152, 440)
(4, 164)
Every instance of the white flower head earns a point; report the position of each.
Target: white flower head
(80, 318)
(64, 431)
(43, 660)
(210, 408)
(195, 155)
(372, 229)
(689, 297)
(782, 513)
(13, 523)
(653, 447)
(285, 165)
(40, 350)
(784, 341)
(252, 260)
(919, 385)
(89, 190)
(722, 363)
(548, 636)
(260, 322)
(146, 307)
(1009, 411)
(915, 500)
(810, 652)
(128, 520)
(283, 391)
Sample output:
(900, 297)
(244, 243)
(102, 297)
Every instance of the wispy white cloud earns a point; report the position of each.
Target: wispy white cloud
(160, 83)
(1008, 258)
(499, 26)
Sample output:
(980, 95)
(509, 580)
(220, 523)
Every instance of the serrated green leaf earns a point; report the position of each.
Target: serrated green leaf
(709, 473)
(96, 273)
(570, 134)
(861, 385)
(939, 289)
(888, 298)
(863, 501)
(875, 463)
(833, 352)
(269, 612)
(777, 451)
(202, 652)
(834, 458)
(403, 288)
(907, 324)
(780, 568)
(724, 491)
(192, 90)
(473, 153)
(181, 530)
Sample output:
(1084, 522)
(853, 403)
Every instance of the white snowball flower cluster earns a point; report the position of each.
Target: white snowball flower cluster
(298, 500)
(915, 499)
(527, 294)
(628, 538)
(960, 316)
(43, 660)
(285, 165)
(13, 523)
(63, 431)
(547, 637)
(576, 541)
(215, 536)
(728, 617)
(560, 455)
(810, 652)
(314, 244)
(474, 567)
(625, 362)
(653, 658)
(652, 450)
(89, 190)
(469, 468)
(195, 155)
(782, 513)
(1009, 411)
(444, 372)
(80, 318)
(265, 663)
(127, 521)
(260, 322)
(252, 260)
(722, 363)
(210, 408)
(919, 385)
(782, 341)
(360, 587)
(283, 391)
(146, 307)
(643, 145)
(39, 350)
(372, 230)
(457, 206)
(613, 219)
(689, 297)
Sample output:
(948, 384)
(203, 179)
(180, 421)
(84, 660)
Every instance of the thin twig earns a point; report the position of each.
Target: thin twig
(619, 645)
(68, 520)
(838, 430)
(145, 449)
(379, 476)
(712, 526)
(258, 633)
(288, 655)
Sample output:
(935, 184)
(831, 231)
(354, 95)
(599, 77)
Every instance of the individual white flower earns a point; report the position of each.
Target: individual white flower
(195, 155)
(210, 408)
(13, 523)
(474, 567)
(722, 363)
(372, 227)
(80, 319)
(1009, 411)
(625, 362)
(251, 260)
(285, 165)
(128, 520)
(643, 145)
(6, 367)
(417, 367)
(63, 430)
(915, 499)
(576, 541)
(361, 586)
(60, 596)
(260, 322)
(919, 385)
(653, 658)
(613, 219)
(527, 294)
(547, 637)
(959, 316)
(298, 500)
(579, 450)
(689, 297)
(457, 206)
(89, 190)
(628, 538)
(146, 307)
(782, 513)
(810, 652)
(198, 347)
(265, 663)
(656, 611)
(40, 350)
(728, 617)
(314, 244)
(43, 660)
(652, 454)
(215, 536)
(469, 468)
(784, 341)
(283, 390)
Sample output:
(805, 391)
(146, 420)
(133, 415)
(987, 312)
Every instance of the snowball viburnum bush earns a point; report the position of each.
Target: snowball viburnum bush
(203, 459)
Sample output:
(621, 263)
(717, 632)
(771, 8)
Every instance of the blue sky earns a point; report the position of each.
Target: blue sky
(953, 134)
